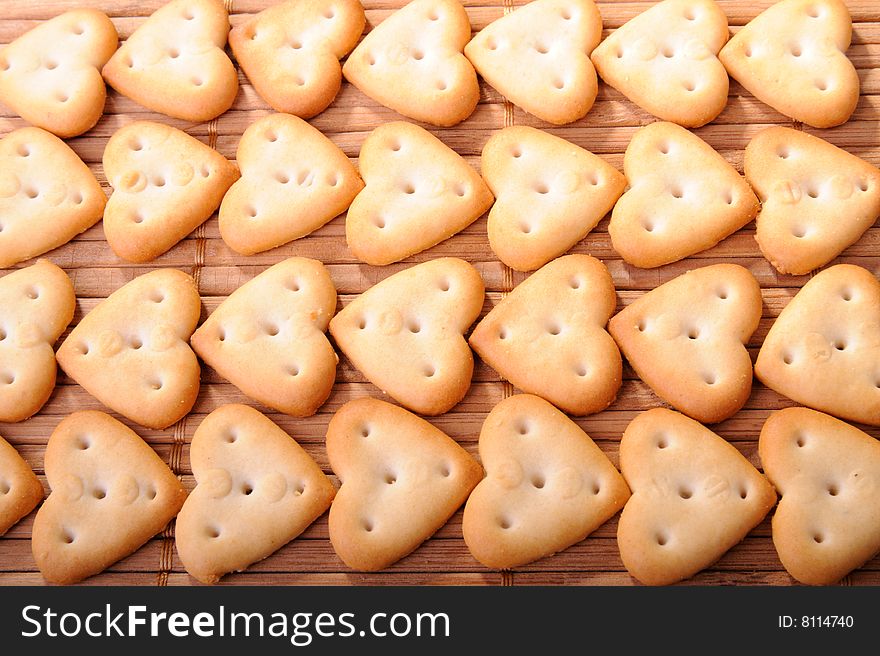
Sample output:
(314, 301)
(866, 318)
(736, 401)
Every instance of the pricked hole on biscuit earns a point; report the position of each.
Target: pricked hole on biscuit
(270, 329)
(445, 286)
(619, 53)
(648, 224)
(296, 44)
(525, 228)
(299, 489)
(722, 294)
(77, 198)
(413, 326)
(840, 344)
(136, 343)
(62, 96)
(689, 85)
(593, 178)
(575, 283)
(505, 522)
(668, 52)
(642, 325)
(418, 54)
(362, 324)
(559, 83)
(728, 197)
(409, 188)
(271, 137)
(299, 81)
(293, 370)
(799, 231)
(67, 536)
(800, 441)
(818, 538)
(813, 11)
(787, 358)
(156, 296)
(282, 177)
(429, 370)
(51, 65)
(685, 492)
(445, 470)
(863, 184)
(541, 188)
(150, 493)
(83, 349)
(709, 378)
(833, 490)
(251, 211)
(522, 427)
(596, 489)
(541, 48)
(371, 60)
(743, 492)
(154, 384)
(231, 437)
(693, 332)
(329, 13)
(441, 85)
(23, 150)
(332, 179)
(293, 286)
(662, 442)
(491, 44)
(502, 333)
(460, 189)
(581, 370)
(99, 493)
(795, 50)
(433, 15)
(83, 443)
(662, 539)
(538, 481)
(247, 489)
(197, 81)
(212, 532)
(159, 181)
(2, 334)
(390, 478)
(677, 192)
(365, 431)
(4, 64)
(368, 525)
(554, 328)
(395, 146)
(174, 53)
(31, 193)
(690, 14)
(663, 147)
(822, 85)
(79, 30)
(846, 294)
(32, 293)
(7, 378)
(4, 487)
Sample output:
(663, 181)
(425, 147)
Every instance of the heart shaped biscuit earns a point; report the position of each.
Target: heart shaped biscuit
(51, 75)
(418, 192)
(827, 474)
(174, 62)
(110, 494)
(547, 485)
(683, 198)
(257, 490)
(294, 180)
(550, 194)
(291, 51)
(665, 60)
(131, 352)
(406, 333)
(817, 199)
(538, 56)
(694, 496)
(412, 62)
(47, 195)
(555, 322)
(823, 350)
(402, 479)
(165, 184)
(38, 304)
(686, 339)
(20, 489)
(792, 57)
(268, 338)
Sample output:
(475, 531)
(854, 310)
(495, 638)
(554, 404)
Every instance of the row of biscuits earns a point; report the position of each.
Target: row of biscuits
(543, 193)
(687, 496)
(686, 339)
(671, 60)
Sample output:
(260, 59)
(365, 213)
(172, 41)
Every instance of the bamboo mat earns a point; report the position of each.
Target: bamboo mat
(606, 130)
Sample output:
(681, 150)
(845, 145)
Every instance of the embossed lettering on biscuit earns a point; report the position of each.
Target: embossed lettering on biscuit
(538, 56)
(547, 485)
(51, 75)
(555, 321)
(827, 474)
(290, 51)
(267, 338)
(686, 339)
(418, 192)
(406, 334)
(47, 195)
(412, 62)
(816, 198)
(550, 195)
(294, 180)
(165, 184)
(131, 352)
(174, 62)
(694, 496)
(792, 57)
(683, 198)
(256, 490)
(38, 304)
(110, 494)
(402, 479)
(665, 60)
